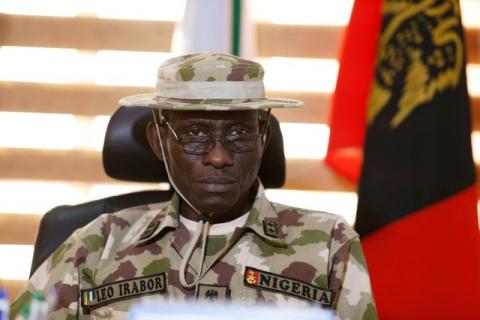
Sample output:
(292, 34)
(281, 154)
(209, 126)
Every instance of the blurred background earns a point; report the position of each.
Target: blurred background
(65, 63)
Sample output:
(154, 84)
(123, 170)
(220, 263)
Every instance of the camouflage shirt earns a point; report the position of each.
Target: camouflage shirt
(281, 256)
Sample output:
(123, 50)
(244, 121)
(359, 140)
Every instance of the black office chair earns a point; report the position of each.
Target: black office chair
(127, 156)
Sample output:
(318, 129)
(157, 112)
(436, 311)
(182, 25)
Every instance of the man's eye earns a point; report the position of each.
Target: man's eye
(195, 132)
(237, 131)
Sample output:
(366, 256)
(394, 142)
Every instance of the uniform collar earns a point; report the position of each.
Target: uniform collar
(166, 218)
(263, 220)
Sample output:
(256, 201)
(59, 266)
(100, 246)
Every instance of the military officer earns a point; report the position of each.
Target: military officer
(219, 238)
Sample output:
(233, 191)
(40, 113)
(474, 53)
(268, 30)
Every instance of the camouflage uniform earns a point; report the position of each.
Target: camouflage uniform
(282, 256)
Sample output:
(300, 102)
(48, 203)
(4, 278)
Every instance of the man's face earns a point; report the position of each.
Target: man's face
(217, 183)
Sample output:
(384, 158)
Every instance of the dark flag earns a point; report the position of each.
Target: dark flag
(417, 208)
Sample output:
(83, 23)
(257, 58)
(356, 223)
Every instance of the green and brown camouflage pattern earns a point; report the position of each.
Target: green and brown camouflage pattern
(208, 67)
(317, 249)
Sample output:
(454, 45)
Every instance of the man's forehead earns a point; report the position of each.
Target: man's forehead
(237, 115)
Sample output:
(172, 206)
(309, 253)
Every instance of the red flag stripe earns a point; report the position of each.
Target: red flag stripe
(355, 76)
(416, 265)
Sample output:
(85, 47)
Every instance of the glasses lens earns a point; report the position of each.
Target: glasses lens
(243, 143)
(197, 145)
(203, 145)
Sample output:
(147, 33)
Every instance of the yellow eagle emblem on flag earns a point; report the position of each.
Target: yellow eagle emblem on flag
(420, 52)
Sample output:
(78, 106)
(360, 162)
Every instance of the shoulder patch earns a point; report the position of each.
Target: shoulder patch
(150, 230)
(256, 278)
(122, 290)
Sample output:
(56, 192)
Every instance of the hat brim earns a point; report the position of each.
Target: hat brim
(152, 101)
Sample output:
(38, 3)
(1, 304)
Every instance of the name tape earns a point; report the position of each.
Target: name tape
(122, 290)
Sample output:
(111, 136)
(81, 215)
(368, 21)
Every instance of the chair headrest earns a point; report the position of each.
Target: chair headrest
(127, 154)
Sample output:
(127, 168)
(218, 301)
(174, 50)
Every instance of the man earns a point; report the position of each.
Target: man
(219, 239)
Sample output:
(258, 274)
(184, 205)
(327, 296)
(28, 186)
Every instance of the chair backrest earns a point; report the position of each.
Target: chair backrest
(127, 156)
(59, 223)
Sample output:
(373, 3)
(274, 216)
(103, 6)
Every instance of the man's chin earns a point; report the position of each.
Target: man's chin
(215, 210)
(215, 205)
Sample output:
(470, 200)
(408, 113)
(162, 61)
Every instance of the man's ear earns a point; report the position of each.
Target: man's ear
(154, 139)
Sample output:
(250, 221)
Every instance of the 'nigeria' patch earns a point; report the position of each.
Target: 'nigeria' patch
(277, 283)
(122, 290)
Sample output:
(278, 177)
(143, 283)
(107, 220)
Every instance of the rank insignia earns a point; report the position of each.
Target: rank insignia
(150, 230)
(268, 281)
(271, 227)
(212, 293)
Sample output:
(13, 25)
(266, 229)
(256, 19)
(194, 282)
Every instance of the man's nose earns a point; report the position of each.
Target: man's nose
(218, 157)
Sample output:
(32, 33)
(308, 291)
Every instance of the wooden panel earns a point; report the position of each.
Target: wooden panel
(13, 287)
(19, 228)
(91, 100)
(79, 99)
(85, 33)
(475, 113)
(298, 40)
(323, 41)
(113, 34)
(472, 37)
(315, 175)
(315, 109)
(72, 165)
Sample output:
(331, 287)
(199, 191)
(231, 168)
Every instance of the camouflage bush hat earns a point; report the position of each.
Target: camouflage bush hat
(209, 81)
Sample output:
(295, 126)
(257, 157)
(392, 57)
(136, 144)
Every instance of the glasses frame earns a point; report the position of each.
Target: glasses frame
(263, 117)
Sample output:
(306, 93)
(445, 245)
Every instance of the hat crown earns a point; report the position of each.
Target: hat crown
(211, 67)
(209, 81)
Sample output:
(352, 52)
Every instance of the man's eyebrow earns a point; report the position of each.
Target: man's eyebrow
(209, 122)
(189, 122)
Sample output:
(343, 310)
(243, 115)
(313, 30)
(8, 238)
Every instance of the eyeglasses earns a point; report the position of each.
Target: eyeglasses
(237, 142)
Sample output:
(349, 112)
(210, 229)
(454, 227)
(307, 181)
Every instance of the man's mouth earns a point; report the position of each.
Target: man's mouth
(217, 180)
(216, 183)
